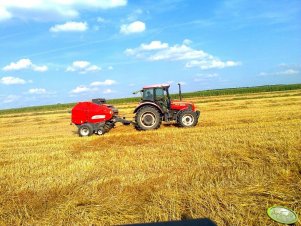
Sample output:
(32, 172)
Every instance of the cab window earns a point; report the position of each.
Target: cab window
(148, 94)
(159, 93)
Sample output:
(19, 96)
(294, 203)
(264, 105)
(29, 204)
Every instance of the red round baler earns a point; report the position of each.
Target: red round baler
(95, 117)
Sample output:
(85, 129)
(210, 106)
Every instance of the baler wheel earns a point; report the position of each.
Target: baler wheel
(100, 131)
(187, 118)
(85, 130)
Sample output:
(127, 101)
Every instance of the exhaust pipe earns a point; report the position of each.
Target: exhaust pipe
(180, 93)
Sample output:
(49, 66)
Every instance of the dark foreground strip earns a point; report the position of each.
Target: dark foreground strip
(193, 222)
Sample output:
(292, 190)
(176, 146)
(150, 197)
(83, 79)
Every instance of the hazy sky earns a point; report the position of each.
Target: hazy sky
(54, 51)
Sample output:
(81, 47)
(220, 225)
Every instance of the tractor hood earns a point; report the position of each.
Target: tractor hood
(181, 105)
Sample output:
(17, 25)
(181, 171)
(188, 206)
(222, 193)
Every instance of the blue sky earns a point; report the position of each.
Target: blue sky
(67, 51)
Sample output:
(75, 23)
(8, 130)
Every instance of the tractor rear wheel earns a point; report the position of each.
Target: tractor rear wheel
(147, 118)
(85, 130)
(187, 118)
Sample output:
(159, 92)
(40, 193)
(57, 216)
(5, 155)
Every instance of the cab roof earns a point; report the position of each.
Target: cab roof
(157, 86)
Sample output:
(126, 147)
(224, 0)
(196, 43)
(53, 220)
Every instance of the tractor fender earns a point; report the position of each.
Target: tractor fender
(149, 104)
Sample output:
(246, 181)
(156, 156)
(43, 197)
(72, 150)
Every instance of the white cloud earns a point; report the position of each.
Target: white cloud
(12, 81)
(37, 91)
(80, 89)
(52, 9)
(156, 51)
(107, 91)
(107, 82)
(82, 67)
(187, 41)
(211, 63)
(93, 87)
(198, 79)
(263, 74)
(154, 45)
(93, 68)
(80, 64)
(4, 14)
(21, 64)
(24, 64)
(39, 68)
(134, 27)
(287, 72)
(100, 20)
(70, 27)
(179, 52)
(10, 98)
(110, 68)
(134, 15)
(213, 75)
(146, 49)
(283, 65)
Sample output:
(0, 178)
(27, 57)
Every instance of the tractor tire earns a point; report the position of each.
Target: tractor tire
(187, 118)
(147, 118)
(85, 130)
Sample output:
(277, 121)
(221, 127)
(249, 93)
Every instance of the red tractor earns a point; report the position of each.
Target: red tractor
(155, 107)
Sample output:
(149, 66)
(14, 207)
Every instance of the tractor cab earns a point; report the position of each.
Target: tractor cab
(158, 94)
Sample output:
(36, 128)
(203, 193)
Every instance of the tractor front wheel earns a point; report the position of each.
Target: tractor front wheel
(187, 118)
(147, 118)
(85, 130)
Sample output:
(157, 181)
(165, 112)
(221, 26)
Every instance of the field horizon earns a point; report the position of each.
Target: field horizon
(243, 157)
(211, 92)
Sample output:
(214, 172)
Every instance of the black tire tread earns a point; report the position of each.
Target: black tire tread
(182, 113)
(89, 126)
(147, 109)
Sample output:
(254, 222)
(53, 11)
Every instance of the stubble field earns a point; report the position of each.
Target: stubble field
(243, 157)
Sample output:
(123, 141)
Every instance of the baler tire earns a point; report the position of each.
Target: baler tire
(187, 118)
(152, 114)
(100, 131)
(85, 130)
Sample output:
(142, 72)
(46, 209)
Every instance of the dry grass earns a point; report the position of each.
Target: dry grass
(244, 156)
